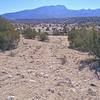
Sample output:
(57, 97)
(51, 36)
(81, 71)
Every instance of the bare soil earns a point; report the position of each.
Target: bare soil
(46, 71)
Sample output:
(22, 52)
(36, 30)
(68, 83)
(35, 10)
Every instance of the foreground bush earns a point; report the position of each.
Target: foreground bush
(29, 33)
(85, 40)
(8, 36)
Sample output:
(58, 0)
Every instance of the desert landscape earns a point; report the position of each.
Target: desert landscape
(46, 71)
(50, 50)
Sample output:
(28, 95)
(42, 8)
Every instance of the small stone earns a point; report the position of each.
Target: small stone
(91, 92)
(31, 62)
(42, 73)
(4, 72)
(10, 97)
(51, 90)
(46, 76)
(10, 76)
(33, 81)
(51, 67)
(93, 84)
(73, 89)
(59, 93)
(18, 74)
(22, 76)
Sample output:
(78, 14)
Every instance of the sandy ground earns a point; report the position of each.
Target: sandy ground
(46, 71)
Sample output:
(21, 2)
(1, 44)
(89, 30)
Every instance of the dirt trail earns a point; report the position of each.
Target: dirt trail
(46, 71)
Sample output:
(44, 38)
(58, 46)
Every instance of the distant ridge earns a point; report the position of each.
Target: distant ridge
(49, 12)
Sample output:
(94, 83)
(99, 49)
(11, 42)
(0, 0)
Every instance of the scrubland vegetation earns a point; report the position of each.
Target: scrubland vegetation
(29, 33)
(8, 36)
(87, 41)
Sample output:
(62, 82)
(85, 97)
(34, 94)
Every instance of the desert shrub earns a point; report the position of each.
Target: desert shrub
(85, 40)
(29, 33)
(4, 25)
(43, 36)
(8, 36)
(56, 32)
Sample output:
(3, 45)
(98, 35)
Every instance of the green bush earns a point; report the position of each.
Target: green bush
(8, 36)
(43, 37)
(29, 33)
(85, 40)
(57, 32)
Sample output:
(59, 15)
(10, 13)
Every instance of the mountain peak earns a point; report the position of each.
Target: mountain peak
(53, 7)
(60, 6)
(50, 12)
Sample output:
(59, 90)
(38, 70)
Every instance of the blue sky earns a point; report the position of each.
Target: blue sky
(7, 6)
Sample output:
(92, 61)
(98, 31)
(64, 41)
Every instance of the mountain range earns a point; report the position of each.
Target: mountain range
(49, 12)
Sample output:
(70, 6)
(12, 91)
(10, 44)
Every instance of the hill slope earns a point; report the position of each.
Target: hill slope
(48, 12)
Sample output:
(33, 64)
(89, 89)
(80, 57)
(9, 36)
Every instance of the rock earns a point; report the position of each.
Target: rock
(33, 81)
(42, 73)
(51, 90)
(46, 76)
(59, 93)
(66, 81)
(51, 66)
(4, 72)
(11, 98)
(10, 76)
(73, 89)
(91, 92)
(92, 85)
(22, 76)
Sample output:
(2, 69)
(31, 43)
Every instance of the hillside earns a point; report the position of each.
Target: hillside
(46, 71)
(50, 12)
